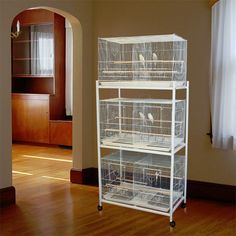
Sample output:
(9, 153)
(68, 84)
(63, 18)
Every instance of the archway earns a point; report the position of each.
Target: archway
(76, 12)
(77, 83)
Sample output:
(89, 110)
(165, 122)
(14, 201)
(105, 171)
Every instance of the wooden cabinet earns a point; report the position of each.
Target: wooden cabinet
(61, 132)
(30, 117)
(38, 58)
(38, 77)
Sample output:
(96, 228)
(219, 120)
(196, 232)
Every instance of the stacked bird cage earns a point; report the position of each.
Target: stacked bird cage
(155, 58)
(141, 179)
(141, 123)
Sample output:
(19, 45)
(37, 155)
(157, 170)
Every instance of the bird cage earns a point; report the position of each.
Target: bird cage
(141, 123)
(153, 58)
(141, 179)
(146, 172)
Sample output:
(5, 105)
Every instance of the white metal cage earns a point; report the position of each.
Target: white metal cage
(141, 179)
(155, 58)
(141, 123)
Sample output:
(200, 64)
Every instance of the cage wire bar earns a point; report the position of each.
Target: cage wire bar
(141, 179)
(142, 123)
(156, 58)
(134, 174)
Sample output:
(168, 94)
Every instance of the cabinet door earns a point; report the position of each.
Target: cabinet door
(59, 127)
(30, 117)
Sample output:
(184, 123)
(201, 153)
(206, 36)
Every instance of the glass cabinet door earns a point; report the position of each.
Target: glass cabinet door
(33, 51)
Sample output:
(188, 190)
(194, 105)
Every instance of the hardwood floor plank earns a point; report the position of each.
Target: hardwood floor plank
(48, 204)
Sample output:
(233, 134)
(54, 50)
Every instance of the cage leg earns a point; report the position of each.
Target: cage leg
(183, 204)
(99, 207)
(172, 222)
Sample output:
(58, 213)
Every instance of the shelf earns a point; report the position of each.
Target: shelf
(31, 59)
(140, 100)
(115, 72)
(142, 84)
(32, 76)
(142, 61)
(24, 41)
(130, 158)
(141, 150)
(143, 192)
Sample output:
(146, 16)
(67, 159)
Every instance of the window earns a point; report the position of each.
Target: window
(223, 74)
(42, 49)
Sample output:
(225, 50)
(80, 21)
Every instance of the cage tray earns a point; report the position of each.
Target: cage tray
(142, 196)
(141, 83)
(128, 142)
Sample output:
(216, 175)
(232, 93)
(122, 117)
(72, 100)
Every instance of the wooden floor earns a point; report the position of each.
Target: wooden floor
(48, 204)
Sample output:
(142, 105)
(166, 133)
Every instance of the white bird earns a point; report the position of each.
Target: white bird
(142, 59)
(154, 56)
(150, 117)
(142, 116)
(157, 175)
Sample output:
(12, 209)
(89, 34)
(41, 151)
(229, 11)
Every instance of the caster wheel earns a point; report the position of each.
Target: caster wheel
(172, 224)
(99, 208)
(183, 205)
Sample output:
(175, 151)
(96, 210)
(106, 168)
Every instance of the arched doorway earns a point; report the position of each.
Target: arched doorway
(77, 79)
(77, 84)
(41, 113)
(76, 12)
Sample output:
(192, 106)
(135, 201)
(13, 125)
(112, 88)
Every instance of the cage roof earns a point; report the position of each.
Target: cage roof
(145, 39)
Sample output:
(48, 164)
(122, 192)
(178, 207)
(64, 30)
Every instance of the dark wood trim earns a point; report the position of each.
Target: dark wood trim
(195, 189)
(34, 17)
(7, 196)
(57, 99)
(212, 2)
(211, 191)
(88, 176)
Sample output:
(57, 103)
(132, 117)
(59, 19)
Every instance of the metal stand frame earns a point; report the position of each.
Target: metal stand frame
(175, 86)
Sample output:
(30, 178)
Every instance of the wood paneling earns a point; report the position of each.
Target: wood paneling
(30, 117)
(61, 132)
(33, 85)
(212, 2)
(35, 16)
(57, 100)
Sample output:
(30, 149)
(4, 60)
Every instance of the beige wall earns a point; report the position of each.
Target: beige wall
(190, 19)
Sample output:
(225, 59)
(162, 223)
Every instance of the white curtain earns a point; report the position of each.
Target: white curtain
(42, 51)
(223, 74)
(69, 70)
